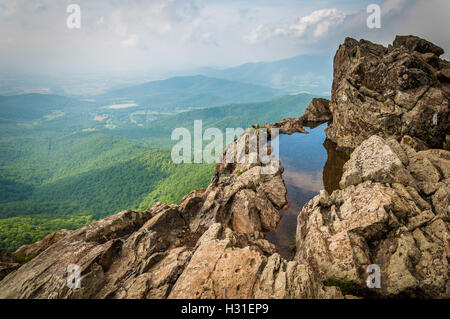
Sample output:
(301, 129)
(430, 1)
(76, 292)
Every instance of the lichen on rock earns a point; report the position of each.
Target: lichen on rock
(391, 92)
(381, 215)
(389, 106)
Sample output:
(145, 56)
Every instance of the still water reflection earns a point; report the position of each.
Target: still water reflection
(310, 163)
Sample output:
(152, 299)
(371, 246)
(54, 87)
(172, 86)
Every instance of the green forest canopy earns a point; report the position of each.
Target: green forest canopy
(54, 175)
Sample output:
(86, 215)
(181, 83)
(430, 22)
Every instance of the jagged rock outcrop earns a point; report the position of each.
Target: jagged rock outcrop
(288, 126)
(10, 262)
(392, 210)
(32, 250)
(317, 112)
(7, 263)
(210, 245)
(226, 265)
(154, 254)
(391, 207)
(244, 194)
(400, 90)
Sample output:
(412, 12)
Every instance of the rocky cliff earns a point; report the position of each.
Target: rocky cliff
(392, 210)
(389, 106)
(392, 92)
(211, 245)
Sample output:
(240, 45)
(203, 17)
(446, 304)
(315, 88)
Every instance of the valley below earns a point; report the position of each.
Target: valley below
(66, 162)
(361, 180)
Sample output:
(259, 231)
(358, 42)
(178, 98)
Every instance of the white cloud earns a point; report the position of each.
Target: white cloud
(191, 33)
(121, 29)
(254, 35)
(190, 30)
(315, 25)
(280, 32)
(166, 28)
(318, 22)
(130, 42)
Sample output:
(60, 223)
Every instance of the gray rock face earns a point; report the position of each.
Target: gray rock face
(243, 195)
(226, 265)
(7, 263)
(210, 245)
(288, 126)
(392, 210)
(317, 111)
(379, 161)
(392, 92)
(38, 247)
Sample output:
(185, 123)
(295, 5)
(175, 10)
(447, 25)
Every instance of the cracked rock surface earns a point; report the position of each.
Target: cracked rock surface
(389, 105)
(400, 90)
(390, 211)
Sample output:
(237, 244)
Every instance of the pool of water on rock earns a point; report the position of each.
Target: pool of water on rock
(311, 163)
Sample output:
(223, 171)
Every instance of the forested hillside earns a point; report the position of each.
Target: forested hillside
(32, 106)
(73, 201)
(157, 133)
(60, 167)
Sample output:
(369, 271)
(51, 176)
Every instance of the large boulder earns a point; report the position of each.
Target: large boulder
(227, 265)
(317, 111)
(7, 263)
(32, 250)
(383, 215)
(377, 160)
(244, 194)
(395, 91)
(154, 254)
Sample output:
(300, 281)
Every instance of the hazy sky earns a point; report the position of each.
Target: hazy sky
(178, 34)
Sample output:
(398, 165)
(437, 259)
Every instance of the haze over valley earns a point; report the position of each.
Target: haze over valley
(86, 115)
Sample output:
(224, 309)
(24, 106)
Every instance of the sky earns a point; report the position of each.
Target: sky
(185, 34)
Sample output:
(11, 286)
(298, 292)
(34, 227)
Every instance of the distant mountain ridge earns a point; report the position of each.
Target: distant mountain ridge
(191, 92)
(302, 73)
